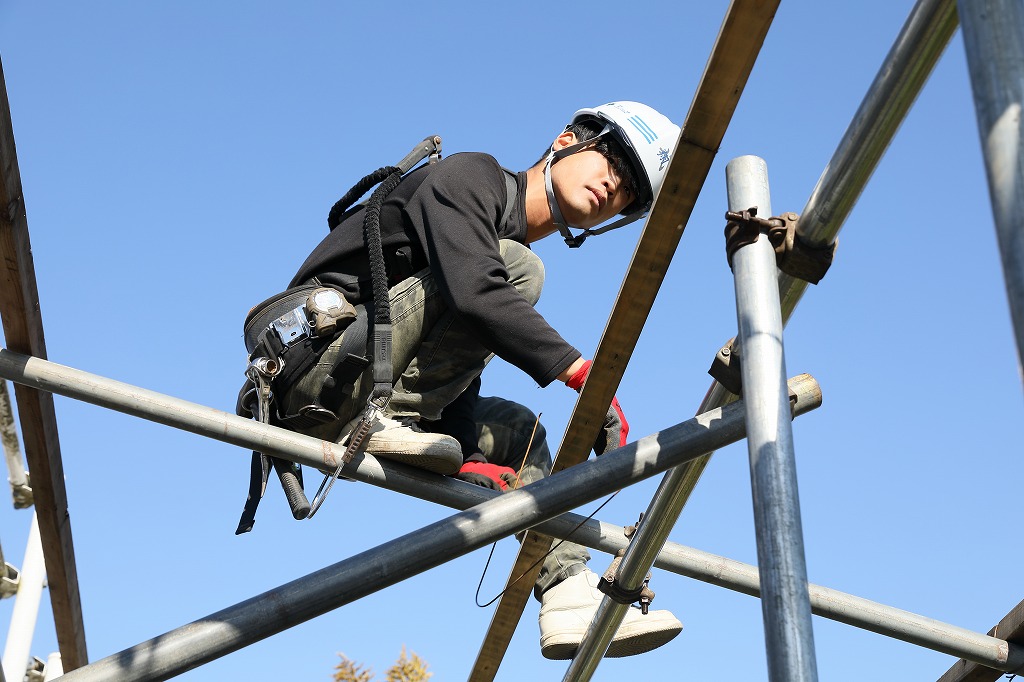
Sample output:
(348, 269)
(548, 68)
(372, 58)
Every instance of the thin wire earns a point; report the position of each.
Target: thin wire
(529, 445)
(534, 564)
(522, 466)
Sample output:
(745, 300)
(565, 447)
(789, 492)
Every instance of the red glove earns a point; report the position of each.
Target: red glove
(487, 475)
(577, 380)
(616, 428)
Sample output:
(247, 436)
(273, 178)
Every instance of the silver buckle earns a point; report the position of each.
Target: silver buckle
(292, 327)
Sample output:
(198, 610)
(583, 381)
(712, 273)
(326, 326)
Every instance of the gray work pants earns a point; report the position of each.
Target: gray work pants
(434, 355)
(504, 429)
(434, 358)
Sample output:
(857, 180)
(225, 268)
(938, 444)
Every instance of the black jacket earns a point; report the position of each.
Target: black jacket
(445, 217)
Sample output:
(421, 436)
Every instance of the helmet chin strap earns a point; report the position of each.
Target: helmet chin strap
(575, 241)
(556, 212)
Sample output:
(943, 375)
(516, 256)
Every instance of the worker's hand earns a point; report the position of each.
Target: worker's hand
(616, 428)
(613, 433)
(487, 475)
(576, 381)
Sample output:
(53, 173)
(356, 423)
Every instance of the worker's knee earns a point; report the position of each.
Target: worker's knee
(525, 269)
(510, 434)
(522, 421)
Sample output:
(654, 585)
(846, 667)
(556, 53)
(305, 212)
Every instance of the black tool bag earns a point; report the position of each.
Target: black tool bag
(307, 393)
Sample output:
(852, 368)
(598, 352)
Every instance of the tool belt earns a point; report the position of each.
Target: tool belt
(291, 331)
(282, 329)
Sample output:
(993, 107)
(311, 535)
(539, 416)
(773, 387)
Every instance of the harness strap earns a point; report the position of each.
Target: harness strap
(511, 195)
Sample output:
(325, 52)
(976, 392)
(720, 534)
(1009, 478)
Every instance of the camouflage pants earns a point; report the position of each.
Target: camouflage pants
(434, 355)
(503, 433)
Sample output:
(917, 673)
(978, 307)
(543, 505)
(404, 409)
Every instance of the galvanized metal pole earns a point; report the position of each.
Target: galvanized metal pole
(639, 556)
(606, 537)
(994, 42)
(597, 639)
(928, 29)
(363, 574)
(26, 607)
(785, 604)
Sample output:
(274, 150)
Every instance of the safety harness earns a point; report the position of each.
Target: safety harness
(287, 334)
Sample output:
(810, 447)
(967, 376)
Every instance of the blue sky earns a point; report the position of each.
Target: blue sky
(179, 160)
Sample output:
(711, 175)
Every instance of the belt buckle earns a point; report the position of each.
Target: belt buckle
(292, 327)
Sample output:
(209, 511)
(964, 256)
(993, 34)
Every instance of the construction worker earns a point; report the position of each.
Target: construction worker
(462, 282)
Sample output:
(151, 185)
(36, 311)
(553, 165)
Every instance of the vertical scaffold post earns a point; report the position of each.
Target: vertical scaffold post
(785, 603)
(17, 650)
(994, 42)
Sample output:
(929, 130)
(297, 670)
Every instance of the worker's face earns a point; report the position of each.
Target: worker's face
(587, 188)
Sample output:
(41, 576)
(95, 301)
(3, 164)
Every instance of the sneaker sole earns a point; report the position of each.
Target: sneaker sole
(563, 647)
(443, 464)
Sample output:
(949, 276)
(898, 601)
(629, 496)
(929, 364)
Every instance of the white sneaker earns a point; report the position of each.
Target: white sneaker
(402, 440)
(568, 608)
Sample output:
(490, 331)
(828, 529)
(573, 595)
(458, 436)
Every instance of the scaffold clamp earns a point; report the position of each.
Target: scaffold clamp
(792, 255)
(609, 585)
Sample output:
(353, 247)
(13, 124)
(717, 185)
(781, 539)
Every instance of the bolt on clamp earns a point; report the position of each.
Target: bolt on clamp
(609, 585)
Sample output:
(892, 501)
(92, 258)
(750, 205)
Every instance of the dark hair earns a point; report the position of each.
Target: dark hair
(610, 148)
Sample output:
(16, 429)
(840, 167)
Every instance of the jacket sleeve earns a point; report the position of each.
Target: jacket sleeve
(455, 214)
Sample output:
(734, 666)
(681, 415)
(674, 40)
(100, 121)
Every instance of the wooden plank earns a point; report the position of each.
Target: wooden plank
(725, 75)
(1011, 629)
(23, 330)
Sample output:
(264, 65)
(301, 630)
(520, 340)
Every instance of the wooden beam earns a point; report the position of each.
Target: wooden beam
(1011, 629)
(725, 75)
(23, 330)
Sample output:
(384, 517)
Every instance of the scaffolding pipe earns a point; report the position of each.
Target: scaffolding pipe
(994, 43)
(685, 561)
(921, 41)
(606, 537)
(598, 637)
(17, 477)
(785, 605)
(399, 559)
(26, 607)
(928, 29)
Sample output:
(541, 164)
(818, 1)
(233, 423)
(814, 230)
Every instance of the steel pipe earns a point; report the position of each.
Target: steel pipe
(606, 537)
(598, 638)
(785, 605)
(911, 59)
(994, 42)
(365, 573)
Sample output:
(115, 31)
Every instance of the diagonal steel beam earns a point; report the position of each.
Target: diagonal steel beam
(305, 598)
(732, 58)
(23, 330)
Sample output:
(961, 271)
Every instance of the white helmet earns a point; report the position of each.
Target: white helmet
(647, 137)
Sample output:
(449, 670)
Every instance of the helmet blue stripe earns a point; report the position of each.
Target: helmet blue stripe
(644, 129)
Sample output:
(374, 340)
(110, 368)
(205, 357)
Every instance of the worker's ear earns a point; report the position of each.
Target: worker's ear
(564, 140)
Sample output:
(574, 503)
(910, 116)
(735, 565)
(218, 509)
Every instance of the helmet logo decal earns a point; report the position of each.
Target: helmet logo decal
(643, 128)
(663, 156)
